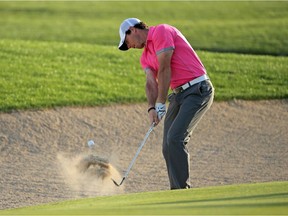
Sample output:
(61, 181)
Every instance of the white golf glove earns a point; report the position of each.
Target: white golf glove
(161, 110)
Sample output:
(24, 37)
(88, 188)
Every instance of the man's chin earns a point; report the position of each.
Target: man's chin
(141, 46)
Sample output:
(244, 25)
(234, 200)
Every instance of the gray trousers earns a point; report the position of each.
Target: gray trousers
(184, 112)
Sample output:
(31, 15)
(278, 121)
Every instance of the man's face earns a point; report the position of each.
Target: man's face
(135, 39)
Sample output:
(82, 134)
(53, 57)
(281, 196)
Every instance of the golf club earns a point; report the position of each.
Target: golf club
(136, 155)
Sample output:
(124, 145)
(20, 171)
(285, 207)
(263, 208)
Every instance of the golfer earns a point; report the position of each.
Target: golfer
(169, 61)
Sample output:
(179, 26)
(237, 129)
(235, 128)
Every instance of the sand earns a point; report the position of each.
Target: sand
(236, 142)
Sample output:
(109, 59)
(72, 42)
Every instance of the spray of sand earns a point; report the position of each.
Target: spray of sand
(88, 175)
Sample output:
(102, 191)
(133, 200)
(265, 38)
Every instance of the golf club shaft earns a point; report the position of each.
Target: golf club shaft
(136, 155)
(139, 149)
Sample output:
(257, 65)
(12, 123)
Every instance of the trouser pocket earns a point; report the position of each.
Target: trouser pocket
(171, 97)
(205, 87)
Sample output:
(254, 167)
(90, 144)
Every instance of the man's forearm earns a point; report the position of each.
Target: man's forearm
(164, 75)
(151, 88)
(163, 84)
(151, 93)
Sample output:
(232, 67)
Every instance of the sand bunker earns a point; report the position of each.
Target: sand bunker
(236, 142)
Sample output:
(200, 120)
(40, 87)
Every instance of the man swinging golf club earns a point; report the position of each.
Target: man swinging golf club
(169, 61)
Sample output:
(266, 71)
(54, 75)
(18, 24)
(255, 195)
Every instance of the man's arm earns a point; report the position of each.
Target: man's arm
(157, 90)
(151, 94)
(164, 75)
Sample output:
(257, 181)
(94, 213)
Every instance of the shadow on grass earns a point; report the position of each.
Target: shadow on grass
(259, 203)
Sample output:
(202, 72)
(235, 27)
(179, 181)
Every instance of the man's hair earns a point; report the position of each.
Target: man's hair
(140, 25)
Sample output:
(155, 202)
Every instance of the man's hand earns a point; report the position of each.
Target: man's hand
(153, 116)
(161, 110)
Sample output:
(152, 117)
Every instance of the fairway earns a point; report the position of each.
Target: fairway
(254, 199)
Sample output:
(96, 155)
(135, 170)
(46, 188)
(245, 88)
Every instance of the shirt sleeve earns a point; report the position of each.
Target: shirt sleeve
(146, 67)
(163, 39)
(144, 64)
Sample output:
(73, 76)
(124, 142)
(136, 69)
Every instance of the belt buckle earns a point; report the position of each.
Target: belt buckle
(178, 90)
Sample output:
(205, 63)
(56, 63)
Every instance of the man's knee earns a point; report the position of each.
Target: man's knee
(174, 141)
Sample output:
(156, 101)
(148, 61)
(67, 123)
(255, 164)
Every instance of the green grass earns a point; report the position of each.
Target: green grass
(47, 74)
(249, 77)
(247, 199)
(42, 74)
(243, 27)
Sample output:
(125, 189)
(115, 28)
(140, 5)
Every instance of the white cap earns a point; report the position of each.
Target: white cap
(124, 27)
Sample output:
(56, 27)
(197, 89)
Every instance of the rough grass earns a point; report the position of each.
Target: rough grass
(48, 74)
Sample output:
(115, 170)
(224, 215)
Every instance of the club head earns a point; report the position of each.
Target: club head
(118, 185)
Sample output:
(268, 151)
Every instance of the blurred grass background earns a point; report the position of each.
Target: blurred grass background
(246, 27)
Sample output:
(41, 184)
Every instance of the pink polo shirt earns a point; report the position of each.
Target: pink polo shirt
(185, 64)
